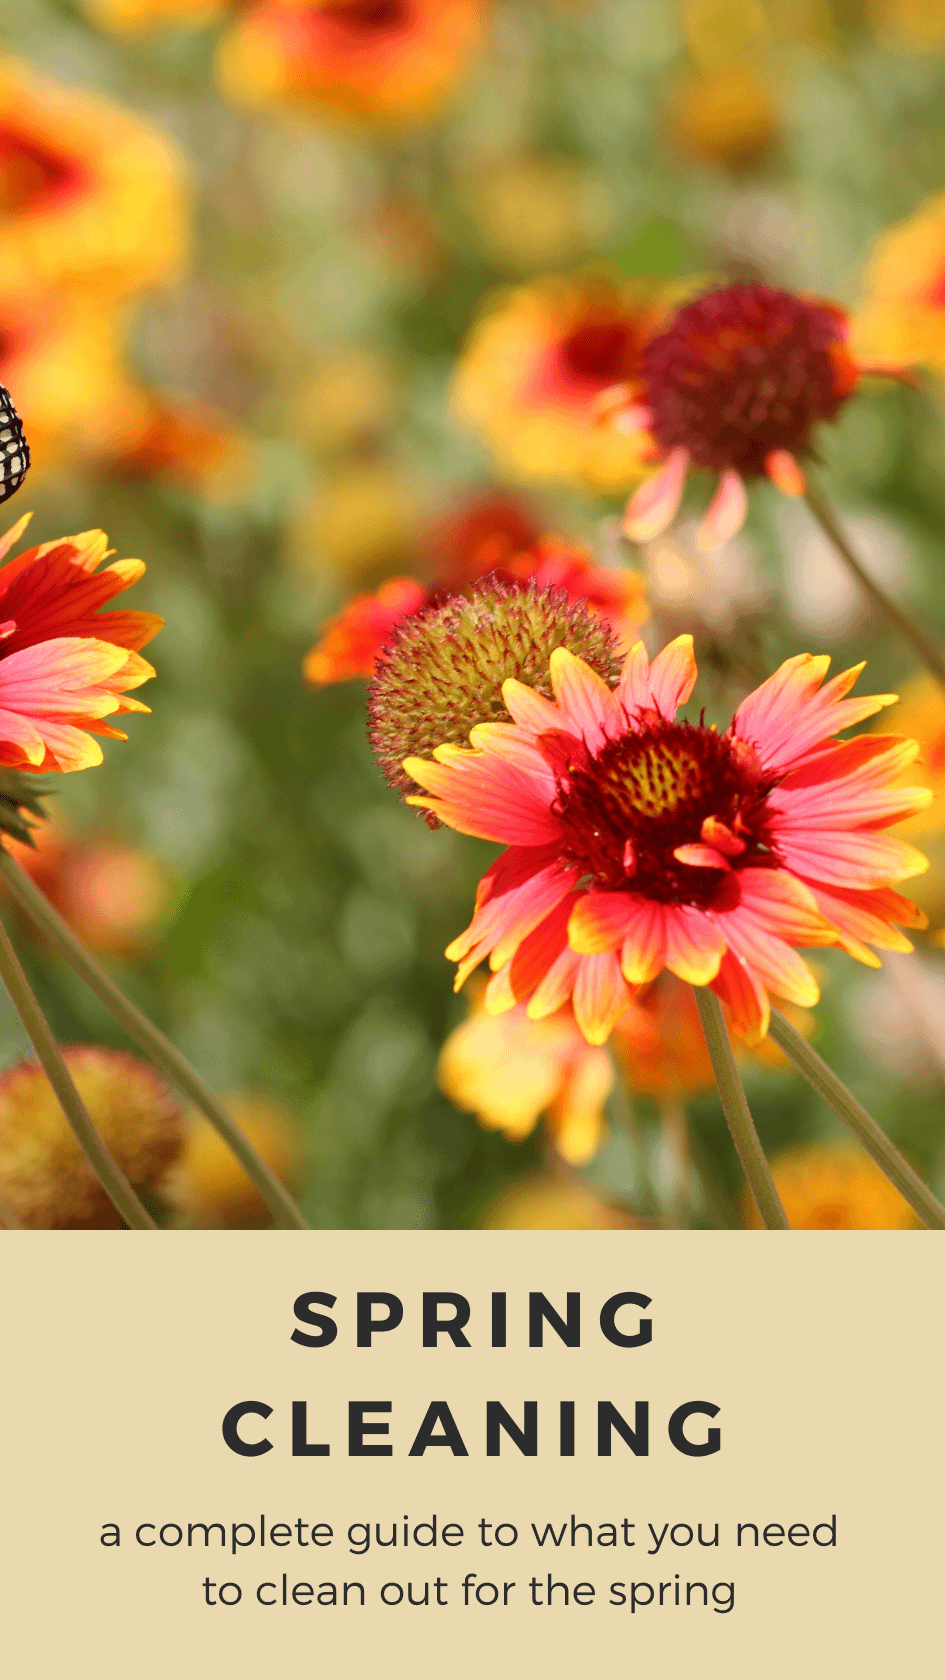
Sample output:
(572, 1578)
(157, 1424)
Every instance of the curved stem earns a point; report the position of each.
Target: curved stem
(41, 1037)
(930, 655)
(864, 1127)
(151, 1040)
(737, 1113)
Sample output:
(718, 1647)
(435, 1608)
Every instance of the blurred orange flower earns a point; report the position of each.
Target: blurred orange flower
(902, 317)
(534, 366)
(834, 1187)
(510, 1071)
(547, 1203)
(185, 443)
(350, 644)
(44, 1177)
(112, 895)
(90, 196)
(727, 114)
(391, 60)
(660, 1044)
(59, 677)
(209, 1187)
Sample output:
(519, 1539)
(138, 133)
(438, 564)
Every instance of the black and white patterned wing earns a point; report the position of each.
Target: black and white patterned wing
(14, 449)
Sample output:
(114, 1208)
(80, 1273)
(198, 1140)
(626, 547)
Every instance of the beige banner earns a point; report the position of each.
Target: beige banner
(568, 1505)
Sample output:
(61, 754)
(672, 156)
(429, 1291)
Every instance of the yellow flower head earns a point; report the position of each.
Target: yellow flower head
(136, 17)
(534, 367)
(902, 317)
(510, 1071)
(834, 1187)
(44, 1177)
(89, 195)
(209, 1187)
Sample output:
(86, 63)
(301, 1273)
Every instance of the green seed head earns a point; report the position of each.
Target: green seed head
(444, 669)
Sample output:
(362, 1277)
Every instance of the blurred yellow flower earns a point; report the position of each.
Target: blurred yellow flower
(534, 366)
(728, 115)
(63, 357)
(902, 317)
(388, 60)
(834, 1187)
(90, 196)
(136, 17)
(536, 211)
(917, 25)
(44, 1177)
(921, 716)
(209, 1188)
(509, 1071)
(547, 1203)
(363, 518)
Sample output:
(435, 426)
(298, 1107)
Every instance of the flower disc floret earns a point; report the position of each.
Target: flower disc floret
(744, 371)
(444, 669)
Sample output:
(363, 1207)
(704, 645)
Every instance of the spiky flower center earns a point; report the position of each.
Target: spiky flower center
(628, 807)
(746, 370)
(444, 669)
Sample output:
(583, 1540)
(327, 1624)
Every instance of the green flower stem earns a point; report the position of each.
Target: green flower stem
(845, 1106)
(930, 655)
(161, 1051)
(737, 1113)
(40, 1034)
(675, 1124)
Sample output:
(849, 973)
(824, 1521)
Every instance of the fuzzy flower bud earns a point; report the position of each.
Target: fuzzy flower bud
(444, 669)
(44, 1177)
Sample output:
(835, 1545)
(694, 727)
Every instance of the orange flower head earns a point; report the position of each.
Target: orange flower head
(387, 60)
(833, 1187)
(210, 1188)
(59, 676)
(660, 1043)
(736, 382)
(510, 1071)
(536, 363)
(902, 318)
(44, 1177)
(637, 843)
(445, 667)
(352, 643)
(90, 197)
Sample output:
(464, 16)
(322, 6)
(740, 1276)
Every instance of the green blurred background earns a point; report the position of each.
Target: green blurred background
(333, 273)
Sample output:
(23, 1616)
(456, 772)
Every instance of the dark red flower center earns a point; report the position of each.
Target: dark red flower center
(31, 174)
(745, 370)
(602, 351)
(629, 806)
(367, 14)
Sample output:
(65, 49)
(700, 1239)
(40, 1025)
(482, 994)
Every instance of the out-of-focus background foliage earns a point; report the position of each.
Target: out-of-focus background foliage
(243, 377)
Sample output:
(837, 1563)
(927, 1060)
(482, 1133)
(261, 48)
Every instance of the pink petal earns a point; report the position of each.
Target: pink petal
(726, 515)
(694, 945)
(588, 705)
(599, 921)
(673, 676)
(480, 794)
(600, 996)
(642, 954)
(653, 507)
(529, 709)
(744, 997)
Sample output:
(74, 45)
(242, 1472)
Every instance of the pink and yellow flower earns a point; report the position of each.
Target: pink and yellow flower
(90, 196)
(636, 843)
(735, 383)
(59, 675)
(351, 643)
(536, 363)
(902, 317)
(387, 60)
